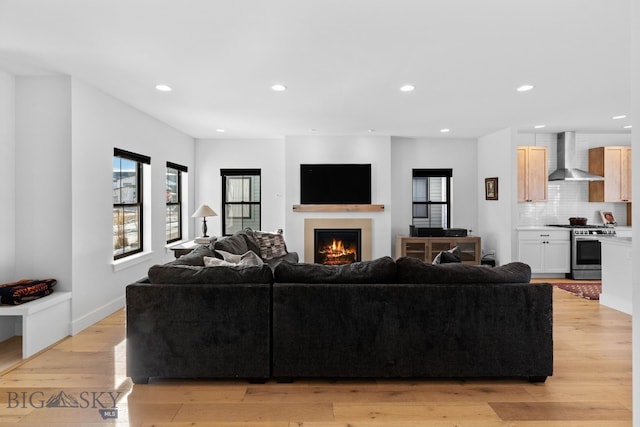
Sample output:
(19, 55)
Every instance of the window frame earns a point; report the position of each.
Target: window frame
(240, 173)
(139, 159)
(180, 170)
(432, 173)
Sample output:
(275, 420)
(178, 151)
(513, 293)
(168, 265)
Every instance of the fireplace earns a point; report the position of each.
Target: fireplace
(337, 246)
(342, 228)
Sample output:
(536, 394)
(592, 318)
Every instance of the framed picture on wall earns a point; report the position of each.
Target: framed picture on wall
(491, 188)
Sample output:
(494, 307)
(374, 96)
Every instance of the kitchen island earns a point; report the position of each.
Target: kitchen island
(616, 273)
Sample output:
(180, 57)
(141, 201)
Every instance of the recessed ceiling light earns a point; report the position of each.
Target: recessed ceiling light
(278, 87)
(539, 126)
(220, 130)
(525, 88)
(371, 130)
(619, 117)
(627, 127)
(163, 88)
(407, 88)
(445, 130)
(313, 130)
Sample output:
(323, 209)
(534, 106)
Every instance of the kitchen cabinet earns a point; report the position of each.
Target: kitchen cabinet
(546, 251)
(532, 174)
(614, 164)
(426, 248)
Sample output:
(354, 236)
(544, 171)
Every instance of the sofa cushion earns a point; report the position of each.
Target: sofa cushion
(413, 270)
(188, 274)
(194, 257)
(235, 244)
(381, 270)
(272, 245)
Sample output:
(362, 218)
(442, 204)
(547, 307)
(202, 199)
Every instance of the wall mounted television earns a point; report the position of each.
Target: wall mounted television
(335, 184)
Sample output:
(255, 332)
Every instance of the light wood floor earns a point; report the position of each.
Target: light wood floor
(591, 386)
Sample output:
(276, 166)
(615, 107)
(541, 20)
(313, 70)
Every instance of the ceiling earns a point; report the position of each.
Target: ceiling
(343, 62)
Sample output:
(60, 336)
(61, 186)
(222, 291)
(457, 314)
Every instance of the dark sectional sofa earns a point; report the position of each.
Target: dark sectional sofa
(380, 319)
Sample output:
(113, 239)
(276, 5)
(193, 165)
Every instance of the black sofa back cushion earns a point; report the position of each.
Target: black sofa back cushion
(380, 270)
(413, 270)
(235, 244)
(188, 274)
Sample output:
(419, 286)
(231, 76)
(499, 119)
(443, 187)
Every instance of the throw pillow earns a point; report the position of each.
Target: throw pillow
(228, 256)
(217, 262)
(271, 244)
(381, 270)
(248, 258)
(452, 255)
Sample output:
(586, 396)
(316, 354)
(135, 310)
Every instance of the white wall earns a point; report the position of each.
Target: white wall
(65, 134)
(497, 158)
(375, 150)
(101, 123)
(265, 154)
(43, 179)
(413, 153)
(635, 274)
(7, 177)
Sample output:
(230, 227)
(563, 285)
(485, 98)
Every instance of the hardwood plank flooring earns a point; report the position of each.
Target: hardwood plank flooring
(591, 386)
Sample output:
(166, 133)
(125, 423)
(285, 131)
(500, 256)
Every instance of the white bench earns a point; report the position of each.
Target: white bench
(45, 321)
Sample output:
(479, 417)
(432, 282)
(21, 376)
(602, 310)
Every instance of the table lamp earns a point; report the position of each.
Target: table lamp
(203, 212)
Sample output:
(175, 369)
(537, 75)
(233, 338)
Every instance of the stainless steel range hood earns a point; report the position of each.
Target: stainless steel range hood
(567, 160)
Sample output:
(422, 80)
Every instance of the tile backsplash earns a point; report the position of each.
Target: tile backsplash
(567, 199)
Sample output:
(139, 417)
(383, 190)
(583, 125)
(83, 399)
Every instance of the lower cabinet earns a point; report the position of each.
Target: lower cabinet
(426, 248)
(545, 251)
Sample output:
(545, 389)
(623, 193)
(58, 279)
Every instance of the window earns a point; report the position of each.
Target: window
(127, 202)
(174, 201)
(431, 198)
(241, 205)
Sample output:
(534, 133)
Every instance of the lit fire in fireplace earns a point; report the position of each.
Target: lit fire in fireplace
(336, 253)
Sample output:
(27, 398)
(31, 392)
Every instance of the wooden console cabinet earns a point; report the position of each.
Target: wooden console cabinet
(426, 248)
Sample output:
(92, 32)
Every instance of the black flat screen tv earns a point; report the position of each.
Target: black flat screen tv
(335, 184)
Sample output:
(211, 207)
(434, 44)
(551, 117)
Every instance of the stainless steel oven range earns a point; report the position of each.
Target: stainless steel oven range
(586, 259)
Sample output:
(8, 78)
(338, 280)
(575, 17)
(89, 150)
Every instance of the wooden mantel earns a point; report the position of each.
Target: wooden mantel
(338, 208)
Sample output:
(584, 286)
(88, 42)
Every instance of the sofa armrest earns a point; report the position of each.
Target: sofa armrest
(199, 330)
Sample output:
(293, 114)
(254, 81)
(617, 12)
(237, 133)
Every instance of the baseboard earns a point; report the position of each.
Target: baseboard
(616, 303)
(78, 325)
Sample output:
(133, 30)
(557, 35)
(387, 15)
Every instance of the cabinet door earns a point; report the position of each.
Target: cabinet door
(537, 171)
(532, 252)
(557, 256)
(532, 174)
(613, 174)
(625, 184)
(522, 174)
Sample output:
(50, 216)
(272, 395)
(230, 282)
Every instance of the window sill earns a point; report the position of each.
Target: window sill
(130, 261)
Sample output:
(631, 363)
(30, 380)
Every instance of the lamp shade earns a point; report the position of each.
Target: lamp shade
(204, 211)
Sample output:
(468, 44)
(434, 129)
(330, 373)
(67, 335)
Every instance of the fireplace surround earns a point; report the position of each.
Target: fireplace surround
(337, 224)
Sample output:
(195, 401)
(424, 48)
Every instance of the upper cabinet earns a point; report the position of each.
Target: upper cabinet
(532, 174)
(614, 164)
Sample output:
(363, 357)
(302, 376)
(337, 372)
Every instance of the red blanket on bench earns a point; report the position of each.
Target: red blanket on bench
(22, 291)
